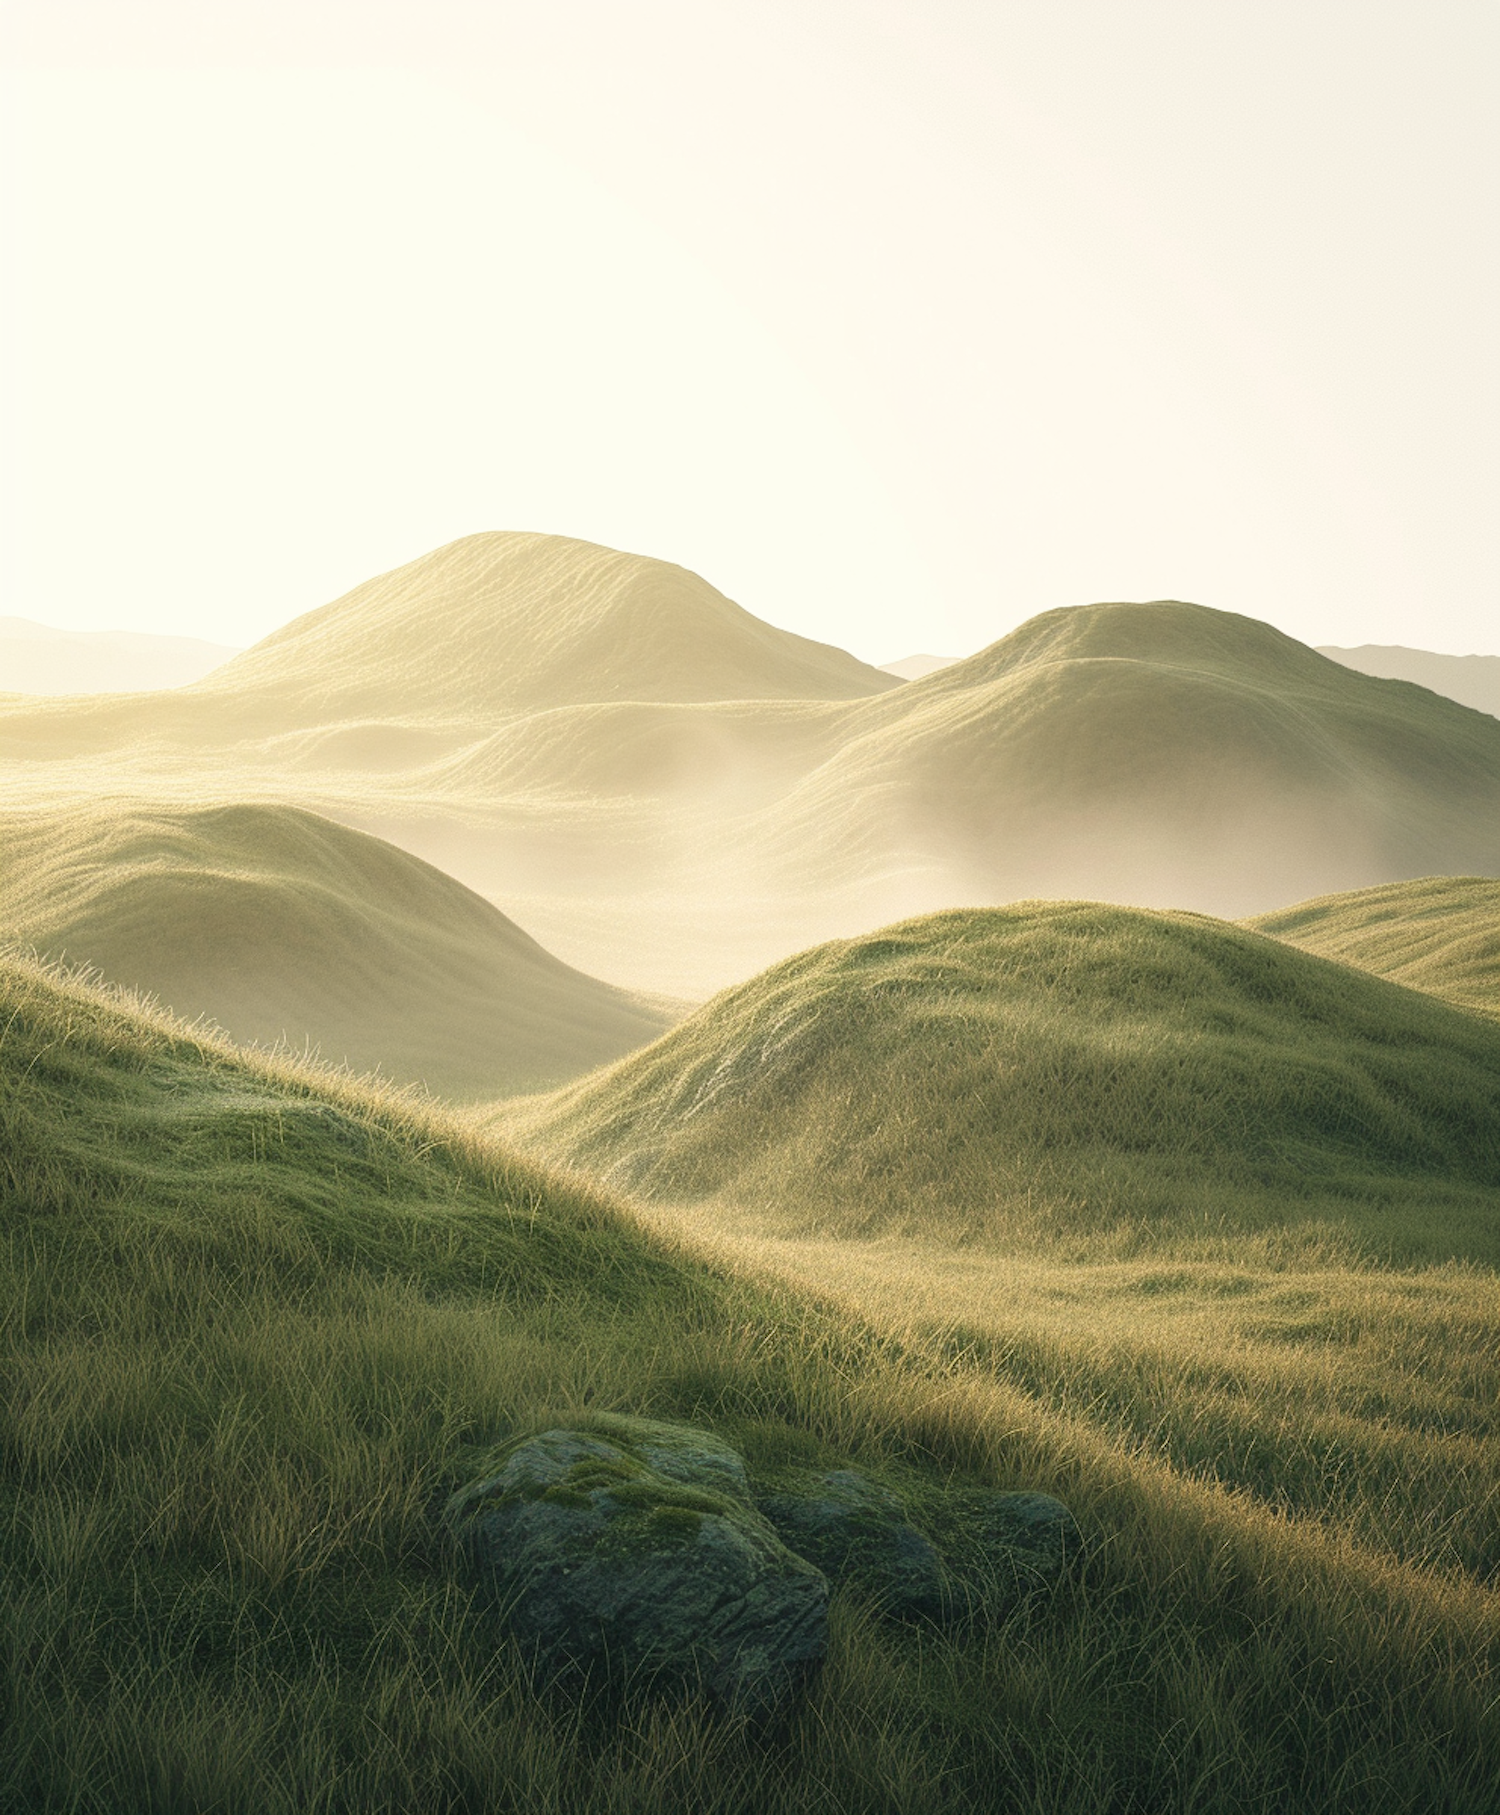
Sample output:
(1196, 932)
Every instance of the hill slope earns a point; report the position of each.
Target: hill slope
(502, 623)
(1153, 753)
(1059, 1073)
(282, 926)
(261, 1323)
(1472, 680)
(1440, 934)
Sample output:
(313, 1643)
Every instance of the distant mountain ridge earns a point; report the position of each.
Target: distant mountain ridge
(674, 794)
(1472, 680)
(38, 659)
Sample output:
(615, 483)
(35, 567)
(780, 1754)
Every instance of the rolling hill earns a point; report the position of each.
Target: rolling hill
(1057, 1075)
(1157, 753)
(502, 623)
(1440, 934)
(674, 795)
(286, 928)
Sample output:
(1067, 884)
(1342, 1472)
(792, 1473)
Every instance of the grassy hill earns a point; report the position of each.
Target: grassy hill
(499, 623)
(1154, 753)
(259, 1321)
(674, 795)
(1440, 934)
(1092, 1079)
(286, 928)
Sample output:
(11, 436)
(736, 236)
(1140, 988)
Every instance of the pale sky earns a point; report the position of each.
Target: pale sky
(898, 320)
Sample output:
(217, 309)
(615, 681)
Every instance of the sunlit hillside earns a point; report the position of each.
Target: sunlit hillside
(261, 1322)
(671, 794)
(287, 929)
(1440, 934)
(1082, 1079)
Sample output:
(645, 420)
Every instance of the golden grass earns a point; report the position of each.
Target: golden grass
(257, 1320)
(1439, 933)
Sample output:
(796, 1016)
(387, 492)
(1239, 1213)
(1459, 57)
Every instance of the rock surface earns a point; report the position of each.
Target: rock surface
(856, 1531)
(634, 1547)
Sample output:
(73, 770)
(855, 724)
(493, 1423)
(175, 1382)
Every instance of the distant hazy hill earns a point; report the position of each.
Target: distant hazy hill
(913, 667)
(1048, 1071)
(500, 623)
(283, 926)
(34, 658)
(1157, 753)
(1473, 680)
(674, 794)
(1440, 934)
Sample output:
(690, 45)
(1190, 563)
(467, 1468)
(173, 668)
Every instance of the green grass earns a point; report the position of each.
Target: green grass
(285, 928)
(1102, 1080)
(1440, 934)
(258, 1322)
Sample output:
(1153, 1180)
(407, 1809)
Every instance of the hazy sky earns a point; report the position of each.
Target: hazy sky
(899, 320)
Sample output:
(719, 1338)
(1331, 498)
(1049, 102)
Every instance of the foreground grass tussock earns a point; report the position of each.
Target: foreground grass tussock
(256, 1323)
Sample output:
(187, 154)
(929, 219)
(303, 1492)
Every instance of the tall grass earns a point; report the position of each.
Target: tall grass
(257, 1323)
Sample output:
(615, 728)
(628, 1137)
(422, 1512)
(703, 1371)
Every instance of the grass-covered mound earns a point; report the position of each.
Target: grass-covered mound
(506, 621)
(259, 1323)
(285, 928)
(1156, 753)
(1059, 1072)
(1440, 934)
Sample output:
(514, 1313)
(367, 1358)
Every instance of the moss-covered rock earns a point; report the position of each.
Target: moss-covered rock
(602, 1558)
(856, 1531)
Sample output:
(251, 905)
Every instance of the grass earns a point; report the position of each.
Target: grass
(259, 1321)
(1099, 1081)
(285, 928)
(1438, 933)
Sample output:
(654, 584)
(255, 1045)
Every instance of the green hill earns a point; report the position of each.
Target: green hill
(260, 1322)
(285, 928)
(1080, 1077)
(506, 622)
(1157, 753)
(1440, 934)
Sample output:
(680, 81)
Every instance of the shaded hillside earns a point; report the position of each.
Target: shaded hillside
(1060, 1072)
(1472, 680)
(1440, 934)
(283, 927)
(502, 623)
